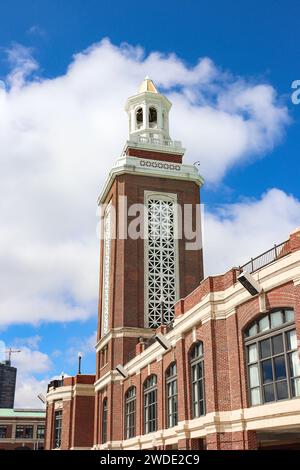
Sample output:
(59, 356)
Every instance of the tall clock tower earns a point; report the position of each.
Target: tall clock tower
(149, 260)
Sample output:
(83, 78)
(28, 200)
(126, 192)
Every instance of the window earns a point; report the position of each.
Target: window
(40, 432)
(24, 432)
(104, 421)
(171, 394)
(130, 400)
(272, 358)
(139, 118)
(197, 380)
(57, 428)
(3, 432)
(161, 252)
(152, 117)
(104, 356)
(150, 404)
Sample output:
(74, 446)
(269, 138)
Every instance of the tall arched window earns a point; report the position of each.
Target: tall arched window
(150, 404)
(104, 420)
(171, 395)
(197, 380)
(139, 118)
(152, 117)
(272, 358)
(130, 401)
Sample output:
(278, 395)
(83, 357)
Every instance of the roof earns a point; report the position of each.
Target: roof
(21, 413)
(147, 85)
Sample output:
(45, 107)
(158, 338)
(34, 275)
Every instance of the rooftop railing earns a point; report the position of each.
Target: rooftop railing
(278, 251)
(55, 384)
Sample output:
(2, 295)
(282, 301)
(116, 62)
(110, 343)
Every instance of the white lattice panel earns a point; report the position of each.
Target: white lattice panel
(161, 261)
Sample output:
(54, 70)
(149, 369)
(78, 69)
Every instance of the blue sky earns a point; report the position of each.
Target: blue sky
(249, 44)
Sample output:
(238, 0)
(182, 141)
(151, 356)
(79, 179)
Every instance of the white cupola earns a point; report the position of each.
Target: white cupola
(148, 113)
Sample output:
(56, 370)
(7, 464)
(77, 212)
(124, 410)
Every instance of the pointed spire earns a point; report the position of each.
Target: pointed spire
(147, 85)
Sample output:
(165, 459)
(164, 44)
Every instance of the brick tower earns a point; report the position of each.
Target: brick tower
(149, 259)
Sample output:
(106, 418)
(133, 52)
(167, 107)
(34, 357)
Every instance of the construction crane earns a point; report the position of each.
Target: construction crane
(9, 352)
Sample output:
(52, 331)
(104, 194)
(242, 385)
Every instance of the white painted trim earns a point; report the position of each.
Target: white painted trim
(161, 196)
(111, 376)
(80, 448)
(59, 393)
(275, 416)
(123, 332)
(66, 393)
(132, 166)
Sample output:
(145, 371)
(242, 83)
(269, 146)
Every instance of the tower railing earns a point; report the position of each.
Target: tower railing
(156, 141)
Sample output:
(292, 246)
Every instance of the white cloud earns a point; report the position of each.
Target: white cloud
(30, 362)
(36, 30)
(22, 63)
(28, 388)
(31, 341)
(2, 350)
(58, 140)
(234, 233)
(85, 345)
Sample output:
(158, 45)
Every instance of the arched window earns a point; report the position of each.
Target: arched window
(152, 117)
(197, 380)
(139, 118)
(272, 358)
(171, 395)
(130, 400)
(104, 420)
(150, 404)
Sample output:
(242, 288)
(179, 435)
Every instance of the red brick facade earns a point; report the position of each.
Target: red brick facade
(215, 311)
(74, 397)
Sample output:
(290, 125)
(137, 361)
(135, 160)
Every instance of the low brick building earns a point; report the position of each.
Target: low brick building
(70, 413)
(182, 362)
(22, 429)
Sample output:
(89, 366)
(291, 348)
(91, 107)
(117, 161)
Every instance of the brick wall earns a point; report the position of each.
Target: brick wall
(225, 372)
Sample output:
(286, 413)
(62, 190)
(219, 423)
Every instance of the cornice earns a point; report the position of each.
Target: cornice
(121, 332)
(135, 166)
(68, 392)
(255, 418)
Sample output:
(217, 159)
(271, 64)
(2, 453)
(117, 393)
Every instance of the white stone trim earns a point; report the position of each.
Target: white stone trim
(171, 198)
(80, 448)
(59, 393)
(111, 376)
(275, 416)
(132, 165)
(66, 393)
(123, 332)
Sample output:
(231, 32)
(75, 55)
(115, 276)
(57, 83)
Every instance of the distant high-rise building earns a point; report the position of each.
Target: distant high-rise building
(8, 376)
